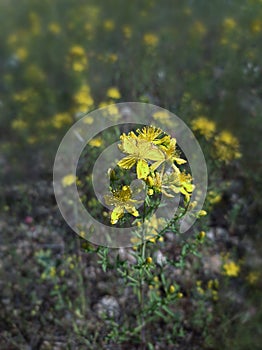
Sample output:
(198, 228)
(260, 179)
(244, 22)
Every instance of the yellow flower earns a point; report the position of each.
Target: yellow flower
(31, 140)
(171, 153)
(163, 117)
(83, 99)
(109, 25)
(214, 197)
(96, 142)
(151, 134)
(199, 28)
(114, 93)
(204, 126)
(229, 23)
(112, 57)
(61, 119)
(256, 26)
(252, 277)
(150, 39)
(122, 201)
(24, 95)
(226, 147)
(21, 53)
(180, 295)
(166, 144)
(177, 182)
(68, 180)
(88, 120)
(54, 28)
(231, 269)
(127, 32)
(223, 41)
(140, 152)
(77, 58)
(79, 66)
(77, 51)
(19, 124)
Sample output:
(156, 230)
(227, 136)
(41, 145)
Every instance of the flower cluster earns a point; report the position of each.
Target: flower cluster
(157, 161)
(224, 145)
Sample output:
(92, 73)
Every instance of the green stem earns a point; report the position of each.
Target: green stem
(143, 256)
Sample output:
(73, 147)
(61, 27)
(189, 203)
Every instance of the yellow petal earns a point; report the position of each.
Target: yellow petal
(142, 169)
(151, 152)
(127, 162)
(132, 210)
(128, 144)
(180, 161)
(116, 214)
(189, 187)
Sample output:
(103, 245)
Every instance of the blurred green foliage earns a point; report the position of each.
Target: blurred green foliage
(59, 58)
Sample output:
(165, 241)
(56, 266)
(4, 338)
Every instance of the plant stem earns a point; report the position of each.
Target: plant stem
(143, 256)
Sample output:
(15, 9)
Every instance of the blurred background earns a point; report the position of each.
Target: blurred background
(62, 58)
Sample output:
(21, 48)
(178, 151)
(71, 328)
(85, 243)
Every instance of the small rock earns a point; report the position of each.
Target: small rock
(212, 263)
(108, 306)
(124, 254)
(211, 234)
(159, 258)
(221, 233)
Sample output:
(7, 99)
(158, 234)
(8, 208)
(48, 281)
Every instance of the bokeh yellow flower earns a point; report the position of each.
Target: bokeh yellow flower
(109, 25)
(199, 28)
(96, 142)
(229, 23)
(54, 28)
(19, 124)
(127, 31)
(226, 147)
(114, 93)
(77, 50)
(68, 180)
(163, 117)
(252, 277)
(256, 26)
(150, 39)
(204, 126)
(61, 119)
(83, 99)
(231, 269)
(21, 53)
